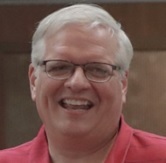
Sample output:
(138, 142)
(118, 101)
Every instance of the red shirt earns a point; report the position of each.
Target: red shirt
(131, 146)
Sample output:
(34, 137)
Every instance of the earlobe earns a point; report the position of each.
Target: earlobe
(32, 81)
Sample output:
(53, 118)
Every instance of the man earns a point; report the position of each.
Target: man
(78, 80)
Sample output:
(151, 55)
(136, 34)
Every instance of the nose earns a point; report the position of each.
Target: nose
(78, 81)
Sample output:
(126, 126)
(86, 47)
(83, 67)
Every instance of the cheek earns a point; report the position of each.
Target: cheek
(111, 101)
(112, 92)
(42, 91)
(44, 95)
(47, 92)
(110, 106)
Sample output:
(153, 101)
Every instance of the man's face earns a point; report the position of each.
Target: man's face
(77, 106)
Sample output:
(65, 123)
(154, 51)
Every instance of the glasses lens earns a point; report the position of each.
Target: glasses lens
(59, 69)
(98, 72)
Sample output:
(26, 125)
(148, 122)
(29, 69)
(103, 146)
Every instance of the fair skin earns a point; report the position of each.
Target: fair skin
(87, 133)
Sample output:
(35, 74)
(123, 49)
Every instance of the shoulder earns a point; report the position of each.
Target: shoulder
(16, 154)
(35, 150)
(145, 139)
(147, 146)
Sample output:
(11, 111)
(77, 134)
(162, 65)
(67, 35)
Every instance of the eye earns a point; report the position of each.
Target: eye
(58, 68)
(98, 70)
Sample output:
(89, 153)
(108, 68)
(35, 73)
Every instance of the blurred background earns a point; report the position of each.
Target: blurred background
(145, 23)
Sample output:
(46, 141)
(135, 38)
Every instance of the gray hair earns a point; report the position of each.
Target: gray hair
(85, 14)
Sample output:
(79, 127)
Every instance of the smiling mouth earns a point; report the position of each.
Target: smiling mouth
(75, 104)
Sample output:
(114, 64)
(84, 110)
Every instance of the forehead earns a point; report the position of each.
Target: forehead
(82, 37)
(95, 28)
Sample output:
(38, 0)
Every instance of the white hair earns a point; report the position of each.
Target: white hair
(84, 14)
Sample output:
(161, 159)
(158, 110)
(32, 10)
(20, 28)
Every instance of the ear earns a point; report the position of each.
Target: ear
(124, 83)
(32, 81)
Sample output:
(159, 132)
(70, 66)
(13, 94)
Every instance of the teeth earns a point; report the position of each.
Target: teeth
(76, 102)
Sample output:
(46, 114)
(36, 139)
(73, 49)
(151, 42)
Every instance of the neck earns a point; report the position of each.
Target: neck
(80, 150)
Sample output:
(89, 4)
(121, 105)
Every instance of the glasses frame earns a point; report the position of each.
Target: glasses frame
(114, 67)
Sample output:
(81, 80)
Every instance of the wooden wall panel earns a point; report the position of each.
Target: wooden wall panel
(146, 99)
(144, 22)
(21, 121)
(2, 106)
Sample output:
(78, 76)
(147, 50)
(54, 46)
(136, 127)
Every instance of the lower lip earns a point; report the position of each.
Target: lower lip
(76, 112)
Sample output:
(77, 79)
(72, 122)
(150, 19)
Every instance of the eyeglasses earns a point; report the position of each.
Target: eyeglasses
(95, 71)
